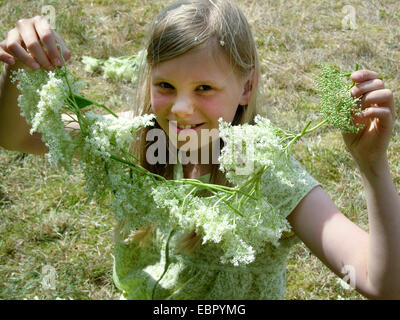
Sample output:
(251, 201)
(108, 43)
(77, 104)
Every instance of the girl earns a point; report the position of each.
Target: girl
(202, 64)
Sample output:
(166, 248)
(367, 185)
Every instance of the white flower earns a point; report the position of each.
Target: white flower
(248, 148)
(92, 64)
(240, 225)
(52, 100)
(42, 100)
(114, 135)
(124, 68)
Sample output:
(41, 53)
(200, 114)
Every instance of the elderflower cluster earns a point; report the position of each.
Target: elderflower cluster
(120, 69)
(249, 148)
(243, 234)
(113, 135)
(92, 64)
(107, 137)
(117, 68)
(241, 237)
(42, 101)
(241, 221)
(190, 212)
(337, 105)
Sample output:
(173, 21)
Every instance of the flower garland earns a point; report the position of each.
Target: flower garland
(227, 217)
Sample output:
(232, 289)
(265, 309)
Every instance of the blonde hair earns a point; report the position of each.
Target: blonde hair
(181, 27)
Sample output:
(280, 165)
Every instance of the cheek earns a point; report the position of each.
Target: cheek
(159, 102)
(221, 109)
(229, 113)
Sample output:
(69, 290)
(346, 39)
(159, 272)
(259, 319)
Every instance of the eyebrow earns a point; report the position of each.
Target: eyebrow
(212, 82)
(204, 81)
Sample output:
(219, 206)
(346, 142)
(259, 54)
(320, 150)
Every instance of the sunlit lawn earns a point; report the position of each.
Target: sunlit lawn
(45, 216)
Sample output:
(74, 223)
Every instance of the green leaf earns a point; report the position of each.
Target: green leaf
(81, 101)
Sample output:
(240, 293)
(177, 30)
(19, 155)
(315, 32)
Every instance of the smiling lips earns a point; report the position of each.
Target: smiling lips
(182, 128)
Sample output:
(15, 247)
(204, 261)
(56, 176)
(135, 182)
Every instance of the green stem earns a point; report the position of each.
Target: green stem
(319, 125)
(304, 132)
(206, 186)
(65, 74)
(220, 199)
(230, 206)
(253, 185)
(138, 167)
(128, 154)
(89, 102)
(187, 196)
(193, 182)
(167, 263)
(78, 116)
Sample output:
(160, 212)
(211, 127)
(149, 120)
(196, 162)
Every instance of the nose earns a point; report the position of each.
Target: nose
(182, 108)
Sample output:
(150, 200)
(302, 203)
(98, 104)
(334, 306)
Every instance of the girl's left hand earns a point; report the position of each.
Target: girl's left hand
(369, 146)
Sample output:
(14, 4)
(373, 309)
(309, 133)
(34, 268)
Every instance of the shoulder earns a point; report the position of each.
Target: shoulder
(286, 183)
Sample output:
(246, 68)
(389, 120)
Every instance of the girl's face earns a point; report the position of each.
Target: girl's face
(196, 89)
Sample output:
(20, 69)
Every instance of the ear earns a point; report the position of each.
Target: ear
(248, 88)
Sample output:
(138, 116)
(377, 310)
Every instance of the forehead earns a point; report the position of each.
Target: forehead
(199, 64)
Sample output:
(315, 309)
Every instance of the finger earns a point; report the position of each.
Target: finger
(28, 34)
(65, 52)
(367, 86)
(4, 55)
(382, 98)
(46, 36)
(13, 46)
(384, 115)
(363, 75)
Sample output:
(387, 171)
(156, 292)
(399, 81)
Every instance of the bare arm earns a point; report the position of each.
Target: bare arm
(373, 260)
(339, 243)
(374, 257)
(384, 236)
(14, 131)
(369, 150)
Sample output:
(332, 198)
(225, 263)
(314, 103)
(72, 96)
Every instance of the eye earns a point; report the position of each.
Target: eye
(165, 85)
(204, 87)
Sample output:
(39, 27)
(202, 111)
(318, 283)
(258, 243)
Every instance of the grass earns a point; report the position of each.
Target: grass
(45, 216)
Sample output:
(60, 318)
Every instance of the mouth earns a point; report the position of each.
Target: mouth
(185, 128)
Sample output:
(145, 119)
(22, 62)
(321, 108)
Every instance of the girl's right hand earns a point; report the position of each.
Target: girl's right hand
(34, 44)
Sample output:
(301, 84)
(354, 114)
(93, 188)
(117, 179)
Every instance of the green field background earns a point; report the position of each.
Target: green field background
(45, 216)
